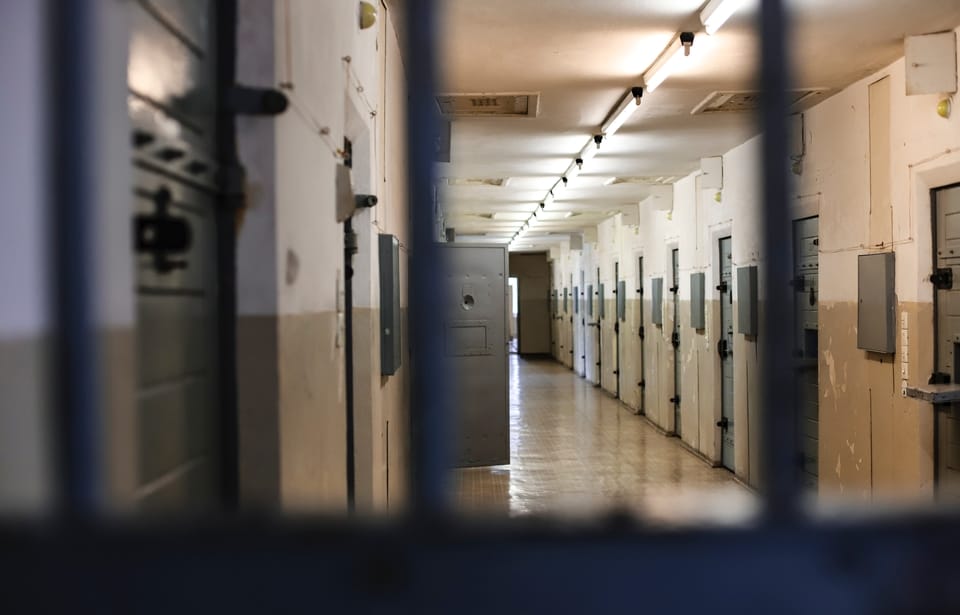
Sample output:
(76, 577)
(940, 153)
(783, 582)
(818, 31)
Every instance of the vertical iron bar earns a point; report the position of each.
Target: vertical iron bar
(781, 472)
(231, 201)
(429, 434)
(73, 162)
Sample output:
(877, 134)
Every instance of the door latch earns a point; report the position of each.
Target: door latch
(724, 423)
(675, 288)
(162, 235)
(723, 286)
(942, 278)
(675, 339)
(675, 400)
(723, 348)
(642, 384)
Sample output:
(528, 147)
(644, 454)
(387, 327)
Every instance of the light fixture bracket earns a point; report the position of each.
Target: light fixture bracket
(598, 139)
(637, 93)
(686, 39)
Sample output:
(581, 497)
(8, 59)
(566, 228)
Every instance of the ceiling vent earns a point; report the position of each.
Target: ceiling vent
(649, 180)
(499, 182)
(518, 104)
(741, 102)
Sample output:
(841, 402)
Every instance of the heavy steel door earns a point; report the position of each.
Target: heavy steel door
(172, 106)
(641, 376)
(725, 350)
(618, 317)
(599, 321)
(475, 347)
(805, 285)
(675, 337)
(584, 298)
(947, 338)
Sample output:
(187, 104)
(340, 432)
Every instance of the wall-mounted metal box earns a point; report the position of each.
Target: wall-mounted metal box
(877, 303)
(576, 300)
(698, 319)
(600, 302)
(656, 299)
(747, 300)
(589, 299)
(622, 300)
(390, 355)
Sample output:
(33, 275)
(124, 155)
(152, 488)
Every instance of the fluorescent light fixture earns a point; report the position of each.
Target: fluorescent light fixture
(667, 63)
(717, 12)
(624, 110)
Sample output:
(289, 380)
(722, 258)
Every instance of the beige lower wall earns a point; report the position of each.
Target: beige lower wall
(874, 443)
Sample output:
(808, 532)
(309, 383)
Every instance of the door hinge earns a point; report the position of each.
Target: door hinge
(675, 339)
(942, 278)
(642, 384)
(723, 423)
(642, 333)
(675, 400)
(722, 348)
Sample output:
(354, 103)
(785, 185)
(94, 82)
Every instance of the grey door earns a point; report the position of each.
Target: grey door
(641, 381)
(172, 106)
(599, 321)
(947, 339)
(584, 297)
(475, 343)
(618, 289)
(725, 352)
(805, 285)
(675, 337)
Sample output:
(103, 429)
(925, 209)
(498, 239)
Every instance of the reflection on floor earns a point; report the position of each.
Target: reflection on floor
(577, 451)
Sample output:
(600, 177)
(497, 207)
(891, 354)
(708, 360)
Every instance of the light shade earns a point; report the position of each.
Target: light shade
(623, 112)
(717, 12)
(666, 65)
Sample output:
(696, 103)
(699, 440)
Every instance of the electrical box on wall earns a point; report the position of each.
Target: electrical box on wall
(603, 308)
(931, 63)
(589, 299)
(698, 319)
(390, 355)
(747, 300)
(876, 303)
(712, 173)
(622, 300)
(576, 242)
(656, 299)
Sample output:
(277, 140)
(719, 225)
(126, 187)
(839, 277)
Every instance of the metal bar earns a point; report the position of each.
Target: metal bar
(429, 418)
(780, 476)
(231, 201)
(349, 249)
(73, 159)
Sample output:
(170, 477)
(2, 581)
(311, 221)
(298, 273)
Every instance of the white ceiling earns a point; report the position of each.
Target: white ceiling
(583, 56)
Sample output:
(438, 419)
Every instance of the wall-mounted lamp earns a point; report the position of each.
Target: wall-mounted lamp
(368, 15)
(717, 12)
(624, 110)
(668, 62)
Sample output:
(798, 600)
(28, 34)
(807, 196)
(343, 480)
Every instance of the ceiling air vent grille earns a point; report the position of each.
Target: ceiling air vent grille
(744, 101)
(499, 182)
(517, 104)
(651, 180)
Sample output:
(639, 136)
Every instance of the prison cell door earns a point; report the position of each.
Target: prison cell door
(675, 337)
(641, 374)
(947, 339)
(599, 321)
(172, 106)
(617, 319)
(725, 350)
(805, 285)
(584, 297)
(475, 336)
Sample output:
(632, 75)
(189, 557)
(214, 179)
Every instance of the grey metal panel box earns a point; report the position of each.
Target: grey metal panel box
(698, 318)
(603, 308)
(622, 300)
(390, 355)
(656, 311)
(576, 300)
(747, 300)
(589, 299)
(877, 303)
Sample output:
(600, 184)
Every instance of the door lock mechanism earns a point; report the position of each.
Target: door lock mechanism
(162, 235)
(942, 278)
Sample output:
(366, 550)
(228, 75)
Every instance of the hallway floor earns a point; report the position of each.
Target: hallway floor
(577, 451)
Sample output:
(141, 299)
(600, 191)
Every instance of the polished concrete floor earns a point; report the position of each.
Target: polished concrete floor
(575, 451)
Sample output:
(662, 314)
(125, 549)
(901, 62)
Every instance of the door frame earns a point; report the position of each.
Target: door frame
(641, 294)
(715, 330)
(676, 377)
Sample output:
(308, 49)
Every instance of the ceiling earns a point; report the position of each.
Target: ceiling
(582, 57)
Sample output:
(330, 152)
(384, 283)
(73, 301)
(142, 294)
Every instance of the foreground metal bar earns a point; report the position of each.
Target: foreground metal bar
(527, 567)
(429, 418)
(780, 475)
(73, 213)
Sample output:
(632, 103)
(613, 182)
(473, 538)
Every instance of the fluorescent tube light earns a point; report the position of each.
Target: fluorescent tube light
(668, 62)
(717, 12)
(624, 110)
